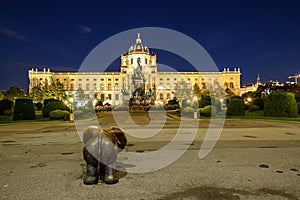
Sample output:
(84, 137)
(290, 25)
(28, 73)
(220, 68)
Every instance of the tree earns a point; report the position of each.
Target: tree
(182, 91)
(38, 93)
(197, 91)
(281, 104)
(228, 93)
(56, 90)
(236, 107)
(14, 91)
(1, 95)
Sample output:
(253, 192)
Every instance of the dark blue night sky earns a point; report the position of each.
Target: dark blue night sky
(257, 36)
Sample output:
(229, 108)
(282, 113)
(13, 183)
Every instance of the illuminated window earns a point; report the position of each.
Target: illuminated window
(168, 96)
(161, 96)
(109, 86)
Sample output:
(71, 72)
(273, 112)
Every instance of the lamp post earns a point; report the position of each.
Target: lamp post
(71, 109)
(195, 98)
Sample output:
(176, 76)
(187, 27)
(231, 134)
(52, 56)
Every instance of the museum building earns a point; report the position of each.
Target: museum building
(138, 73)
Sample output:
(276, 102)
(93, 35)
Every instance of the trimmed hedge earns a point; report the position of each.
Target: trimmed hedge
(281, 104)
(236, 107)
(54, 105)
(46, 101)
(298, 104)
(24, 109)
(208, 111)
(188, 111)
(297, 96)
(204, 101)
(259, 102)
(5, 104)
(59, 114)
(253, 108)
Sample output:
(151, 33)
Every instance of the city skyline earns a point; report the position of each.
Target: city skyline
(258, 37)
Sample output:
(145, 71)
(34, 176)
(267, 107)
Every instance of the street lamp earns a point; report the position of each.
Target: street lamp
(71, 100)
(195, 99)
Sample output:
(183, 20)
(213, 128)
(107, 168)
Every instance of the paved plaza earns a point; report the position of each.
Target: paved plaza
(253, 159)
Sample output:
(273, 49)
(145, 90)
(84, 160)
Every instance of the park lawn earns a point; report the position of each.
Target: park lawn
(9, 119)
(260, 115)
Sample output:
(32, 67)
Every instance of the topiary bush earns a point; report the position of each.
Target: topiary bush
(235, 107)
(297, 96)
(5, 104)
(46, 101)
(259, 102)
(237, 97)
(54, 105)
(204, 101)
(253, 108)
(281, 104)
(23, 109)
(8, 112)
(188, 111)
(38, 106)
(208, 111)
(59, 114)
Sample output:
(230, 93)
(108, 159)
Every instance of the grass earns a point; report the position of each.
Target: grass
(254, 115)
(9, 119)
(249, 115)
(260, 115)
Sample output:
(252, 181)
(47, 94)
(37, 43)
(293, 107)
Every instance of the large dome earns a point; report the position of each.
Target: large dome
(138, 47)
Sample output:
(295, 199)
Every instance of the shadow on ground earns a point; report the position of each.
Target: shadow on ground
(218, 193)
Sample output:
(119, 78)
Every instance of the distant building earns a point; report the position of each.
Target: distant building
(116, 87)
(252, 87)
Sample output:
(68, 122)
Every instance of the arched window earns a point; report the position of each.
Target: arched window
(117, 86)
(231, 85)
(102, 97)
(203, 85)
(109, 86)
(131, 61)
(161, 96)
(102, 86)
(168, 96)
(226, 85)
(87, 87)
(116, 96)
(109, 96)
(146, 61)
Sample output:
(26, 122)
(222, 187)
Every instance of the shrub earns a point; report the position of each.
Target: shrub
(54, 105)
(188, 111)
(5, 104)
(24, 109)
(204, 101)
(38, 106)
(298, 105)
(208, 111)
(237, 97)
(254, 108)
(259, 102)
(235, 107)
(59, 114)
(46, 101)
(281, 104)
(297, 96)
(7, 112)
